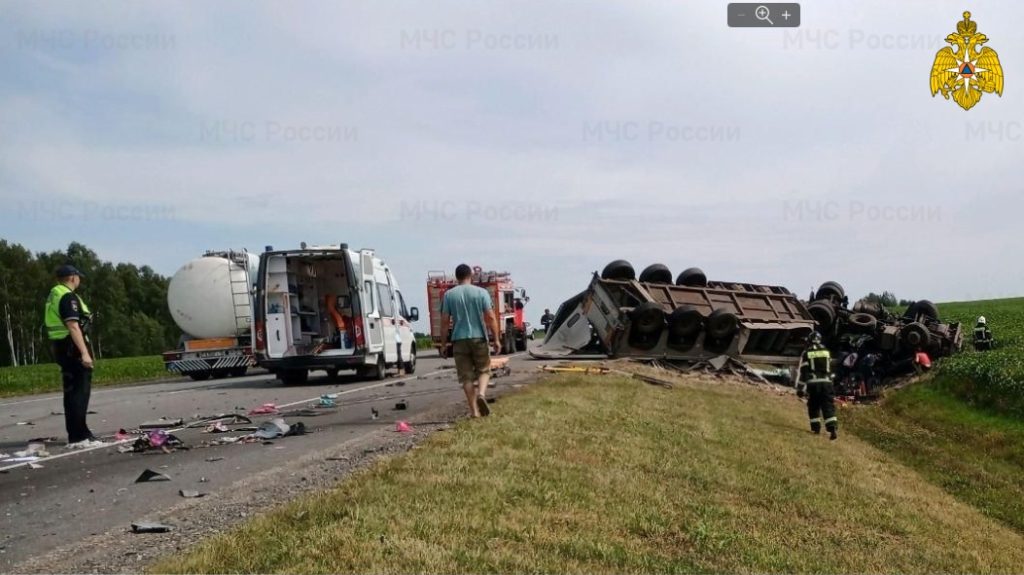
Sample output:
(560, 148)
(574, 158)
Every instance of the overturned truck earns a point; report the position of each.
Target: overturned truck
(868, 327)
(692, 319)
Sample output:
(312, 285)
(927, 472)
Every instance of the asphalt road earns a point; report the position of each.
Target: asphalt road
(77, 494)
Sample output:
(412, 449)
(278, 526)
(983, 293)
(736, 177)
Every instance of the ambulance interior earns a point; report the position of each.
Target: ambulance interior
(309, 306)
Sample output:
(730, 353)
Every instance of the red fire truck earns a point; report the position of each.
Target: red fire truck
(507, 300)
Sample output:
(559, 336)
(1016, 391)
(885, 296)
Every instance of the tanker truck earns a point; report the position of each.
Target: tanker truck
(210, 299)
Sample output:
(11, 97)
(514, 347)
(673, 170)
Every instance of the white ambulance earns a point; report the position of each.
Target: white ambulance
(330, 308)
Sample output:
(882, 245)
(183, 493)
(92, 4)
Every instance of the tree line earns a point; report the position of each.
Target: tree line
(129, 304)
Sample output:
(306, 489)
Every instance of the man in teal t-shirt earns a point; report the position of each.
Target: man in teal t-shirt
(464, 309)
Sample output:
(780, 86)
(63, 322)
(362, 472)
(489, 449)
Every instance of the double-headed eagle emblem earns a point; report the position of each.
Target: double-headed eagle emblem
(967, 71)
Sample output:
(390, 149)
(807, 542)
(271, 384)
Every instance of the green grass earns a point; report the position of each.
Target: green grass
(45, 377)
(974, 454)
(607, 475)
(992, 379)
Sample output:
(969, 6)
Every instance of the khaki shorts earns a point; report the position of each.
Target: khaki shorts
(472, 359)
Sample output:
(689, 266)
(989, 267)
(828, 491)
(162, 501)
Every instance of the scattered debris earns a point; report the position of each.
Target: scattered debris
(150, 475)
(311, 412)
(162, 423)
(123, 435)
(25, 423)
(223, 418)
(401, 406)
(326, 401)
(575, 369)
(154, 439)
(265, 409)
(499, 367)
(212, 459)
(34, 449)
(218, 427)
(203, 480)
(402, 427)
(374, 414)
(35, 466)
(190, 493)
(150, 527)
(337, 458)
(272, 429)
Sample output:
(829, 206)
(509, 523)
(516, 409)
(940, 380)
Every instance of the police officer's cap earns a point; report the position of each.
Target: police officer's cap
(67, 270)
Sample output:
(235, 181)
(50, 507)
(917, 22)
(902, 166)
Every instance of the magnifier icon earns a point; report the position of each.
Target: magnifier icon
(762, 13)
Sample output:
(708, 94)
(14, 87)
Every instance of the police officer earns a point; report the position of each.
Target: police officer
(816, 384)
(67, 321)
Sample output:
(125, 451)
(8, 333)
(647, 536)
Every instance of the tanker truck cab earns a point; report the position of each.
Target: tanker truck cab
(330, 308)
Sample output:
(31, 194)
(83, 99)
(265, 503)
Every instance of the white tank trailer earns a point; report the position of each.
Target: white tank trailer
(210, 298)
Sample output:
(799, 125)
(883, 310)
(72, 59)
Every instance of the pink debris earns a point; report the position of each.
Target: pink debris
(402, 427)
(265, 409)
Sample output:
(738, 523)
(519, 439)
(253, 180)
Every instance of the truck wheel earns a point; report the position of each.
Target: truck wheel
(685, 322)
(293, 376)
(863, 322)
(656, 274)
(521, 342)
(618, 270)
(722, 324)
(379, 371)
(923, 307)
(830, 291)
(915, 335)
(692, 277)
(200, 375)
(647, 318)
(332, 373)
(410, 366)
(823, 313)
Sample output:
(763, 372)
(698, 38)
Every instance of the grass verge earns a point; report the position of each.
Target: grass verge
(43, 378)
(974, 454)
(606, 475)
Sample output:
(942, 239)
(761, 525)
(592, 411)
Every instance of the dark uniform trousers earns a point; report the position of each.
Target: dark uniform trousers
(77, 389)
(821, 404)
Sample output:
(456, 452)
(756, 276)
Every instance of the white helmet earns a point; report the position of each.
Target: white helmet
(981, 320)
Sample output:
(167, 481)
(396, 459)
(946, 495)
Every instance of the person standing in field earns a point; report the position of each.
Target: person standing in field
(466, 312)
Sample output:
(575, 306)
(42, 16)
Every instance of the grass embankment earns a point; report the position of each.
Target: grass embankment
(43, 378)
(973, 454)
(608, 475)
(964, 429)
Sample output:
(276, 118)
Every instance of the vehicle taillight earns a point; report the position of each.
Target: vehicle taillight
(360, 341)
(261, 343)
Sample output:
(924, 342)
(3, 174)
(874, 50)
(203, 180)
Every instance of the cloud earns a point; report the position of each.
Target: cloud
(548, 136)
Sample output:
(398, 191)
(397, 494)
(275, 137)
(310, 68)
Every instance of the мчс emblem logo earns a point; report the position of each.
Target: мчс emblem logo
(966, 72)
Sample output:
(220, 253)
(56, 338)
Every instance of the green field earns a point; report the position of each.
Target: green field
(994, 379)
(45, 377)
(597, 474)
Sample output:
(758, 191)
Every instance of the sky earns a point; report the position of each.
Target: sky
(545, 138)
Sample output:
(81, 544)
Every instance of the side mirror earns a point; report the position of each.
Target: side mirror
(414, 314)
